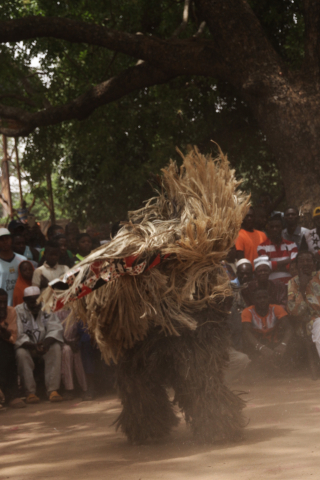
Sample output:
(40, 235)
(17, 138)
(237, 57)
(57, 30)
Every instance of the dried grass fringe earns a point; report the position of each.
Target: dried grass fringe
(195, 218)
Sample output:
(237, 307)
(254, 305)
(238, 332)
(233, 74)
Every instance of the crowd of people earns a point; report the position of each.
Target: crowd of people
(39, 355)
(274, 319)
(275, 277)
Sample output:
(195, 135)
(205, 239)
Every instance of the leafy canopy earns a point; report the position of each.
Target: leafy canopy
(102, 164)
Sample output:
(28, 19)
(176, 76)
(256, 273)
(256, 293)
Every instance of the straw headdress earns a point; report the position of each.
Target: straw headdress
(176, 242)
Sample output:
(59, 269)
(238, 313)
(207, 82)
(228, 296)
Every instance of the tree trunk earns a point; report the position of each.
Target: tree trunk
(289, 117)
(5, 181)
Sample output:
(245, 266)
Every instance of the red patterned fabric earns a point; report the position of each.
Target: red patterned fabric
(98, 274)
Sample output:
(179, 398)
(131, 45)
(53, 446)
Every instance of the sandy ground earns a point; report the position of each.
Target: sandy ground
(75, 440)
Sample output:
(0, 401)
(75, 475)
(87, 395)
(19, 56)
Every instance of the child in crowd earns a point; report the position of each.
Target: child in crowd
(25, 274)
(84, 243)
(51, 269)
(66, 257)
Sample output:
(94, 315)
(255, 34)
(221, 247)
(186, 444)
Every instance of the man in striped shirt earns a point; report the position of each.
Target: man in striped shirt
(280, 251)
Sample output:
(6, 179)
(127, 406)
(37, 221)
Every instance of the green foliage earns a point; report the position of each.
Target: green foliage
(102, 165)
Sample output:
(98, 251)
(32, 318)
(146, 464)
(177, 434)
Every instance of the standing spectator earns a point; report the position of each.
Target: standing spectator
(24, 281)
(313, 237)
(66, 257)
(51, 269)
(8, 367)
(19, 246)
(266, 329)
(84, 243)
(279, 251)
(249, 238)
(293, 232)
(52, 231)
(277, 290)
(9, 263)
(40, 338)
(72, 232)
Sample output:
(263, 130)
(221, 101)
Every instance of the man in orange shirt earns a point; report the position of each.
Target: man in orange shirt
(266, 329)
(249, 239)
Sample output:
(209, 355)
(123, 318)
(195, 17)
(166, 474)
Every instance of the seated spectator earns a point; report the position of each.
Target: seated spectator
(313, 236)
(24, 281)
(51, 269)
(9, 263)
(19, 246)
(244, 275)
(266, 329)
(8, 367)
(238, 361)
(293, 232)
(279, 251)
(66, 257)
(91, 357)
(39, 339)
(244, 272)
(72, 362)
(84, 244)
(276, 289)
(249, 238)
(304, 298)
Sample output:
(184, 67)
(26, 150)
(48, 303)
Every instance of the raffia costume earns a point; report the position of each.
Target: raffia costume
(153, 299)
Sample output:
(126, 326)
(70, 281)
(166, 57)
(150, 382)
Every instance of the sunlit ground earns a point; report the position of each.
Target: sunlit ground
(75, 440)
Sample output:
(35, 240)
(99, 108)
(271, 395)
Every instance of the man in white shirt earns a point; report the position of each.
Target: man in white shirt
(51, 269)
(9, 264)
(40, 338)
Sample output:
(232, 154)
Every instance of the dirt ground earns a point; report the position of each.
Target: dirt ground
(75, 440)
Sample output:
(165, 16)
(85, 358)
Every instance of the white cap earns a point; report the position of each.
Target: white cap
(263, 260)
(242, 262)
(4, 231)
(31, 291)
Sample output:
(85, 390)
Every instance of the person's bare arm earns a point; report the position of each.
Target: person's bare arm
(251, 340)
(285, 325)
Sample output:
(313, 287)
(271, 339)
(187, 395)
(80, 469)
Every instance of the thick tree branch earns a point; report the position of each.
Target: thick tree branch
(312, 37)
(138, 77)
(251, 67)
(165, 54)
(185, 18)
